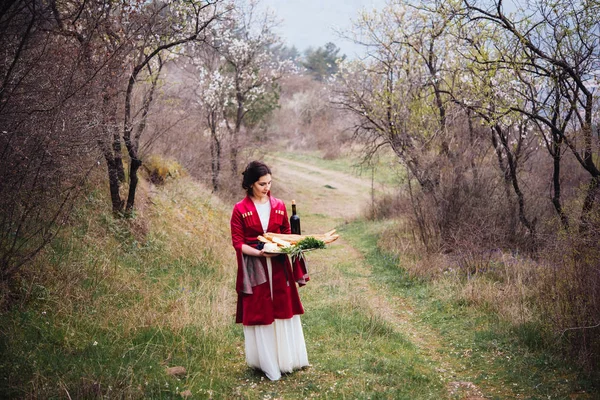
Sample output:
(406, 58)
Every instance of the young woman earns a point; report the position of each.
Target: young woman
(268, 303)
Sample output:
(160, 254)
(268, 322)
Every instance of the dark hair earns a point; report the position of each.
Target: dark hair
(252, 173)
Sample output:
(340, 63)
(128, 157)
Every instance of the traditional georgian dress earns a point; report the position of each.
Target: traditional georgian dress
(268, 303)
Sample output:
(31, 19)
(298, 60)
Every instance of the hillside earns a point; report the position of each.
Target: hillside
(112, 304)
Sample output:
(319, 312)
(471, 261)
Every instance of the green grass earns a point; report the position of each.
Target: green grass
(112, 303)
(503, 360)
(106, 308)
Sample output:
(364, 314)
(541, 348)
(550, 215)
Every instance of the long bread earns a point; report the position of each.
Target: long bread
(293, 239)
(281, 242)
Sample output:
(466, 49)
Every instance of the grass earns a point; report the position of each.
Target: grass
(387, 170)
(110, 304)
(504, 360)
(113, 302)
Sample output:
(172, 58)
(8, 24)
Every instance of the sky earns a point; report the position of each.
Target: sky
(313, 23)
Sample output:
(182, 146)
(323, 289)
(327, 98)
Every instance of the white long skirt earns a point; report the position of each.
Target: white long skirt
(278, 347)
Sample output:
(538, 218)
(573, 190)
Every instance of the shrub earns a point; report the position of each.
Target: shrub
(160, 168)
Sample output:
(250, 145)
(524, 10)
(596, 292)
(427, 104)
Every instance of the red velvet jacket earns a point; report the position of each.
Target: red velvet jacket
(258, 308)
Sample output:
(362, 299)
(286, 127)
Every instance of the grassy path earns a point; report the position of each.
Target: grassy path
(373, 332)
(361, 342)
(364, 340)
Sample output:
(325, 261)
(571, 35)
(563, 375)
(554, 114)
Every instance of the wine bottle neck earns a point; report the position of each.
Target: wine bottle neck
(293, 209)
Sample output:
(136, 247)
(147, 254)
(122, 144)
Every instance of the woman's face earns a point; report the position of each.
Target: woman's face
(261, 187)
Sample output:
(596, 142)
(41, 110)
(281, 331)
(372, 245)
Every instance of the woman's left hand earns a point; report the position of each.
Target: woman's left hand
(268, 255)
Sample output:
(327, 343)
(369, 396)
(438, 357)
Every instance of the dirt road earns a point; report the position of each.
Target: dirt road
(320, 191)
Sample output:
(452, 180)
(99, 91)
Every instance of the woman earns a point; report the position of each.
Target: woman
(268, 303)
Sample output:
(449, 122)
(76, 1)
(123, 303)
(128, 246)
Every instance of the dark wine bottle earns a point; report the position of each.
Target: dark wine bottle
(295, 220)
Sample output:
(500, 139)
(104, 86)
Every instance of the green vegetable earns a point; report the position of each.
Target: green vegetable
(310, 243)
(305, 244)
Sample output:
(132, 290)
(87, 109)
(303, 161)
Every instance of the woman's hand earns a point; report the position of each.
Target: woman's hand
(251, 251)
(268, 255)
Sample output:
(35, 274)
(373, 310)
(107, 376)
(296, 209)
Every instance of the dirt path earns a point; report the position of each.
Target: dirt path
(325, 192)
(350, 182)
(326, 197)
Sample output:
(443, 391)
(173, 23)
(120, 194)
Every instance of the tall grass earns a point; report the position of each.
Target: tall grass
(113, 302)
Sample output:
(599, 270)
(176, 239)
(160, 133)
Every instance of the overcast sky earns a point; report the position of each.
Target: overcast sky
(312, 23)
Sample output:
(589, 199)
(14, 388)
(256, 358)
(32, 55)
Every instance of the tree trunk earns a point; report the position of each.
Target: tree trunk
(110, 115)
(590, 166)
(133, 144)
(215, 151)
(234, 155)
(474, 169)
(556, 156)
(236, 130)
(512, 168)
(110, 146)
(593, 191)
(506, 178)
(136, 163)
(113, 181)
(118, 155)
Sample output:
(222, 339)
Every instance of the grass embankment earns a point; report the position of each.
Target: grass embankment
(112, 303)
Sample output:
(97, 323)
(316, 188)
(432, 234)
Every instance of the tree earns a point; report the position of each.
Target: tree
(395, 92)
(48, 120)
(557, 60)
(322, 63)
(213, 94)
(169, 25)
(491, 93)
(246, 45)
(68, 71)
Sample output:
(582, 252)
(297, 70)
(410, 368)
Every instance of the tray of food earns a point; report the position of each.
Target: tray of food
(295, 245)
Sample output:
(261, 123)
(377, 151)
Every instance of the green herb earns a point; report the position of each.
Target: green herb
(305, 244)
(310, 243)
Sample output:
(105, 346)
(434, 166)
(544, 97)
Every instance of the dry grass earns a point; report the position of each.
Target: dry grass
(187, 227)
(556, 292)
(505, 284)
(198, 224)
(106, 282)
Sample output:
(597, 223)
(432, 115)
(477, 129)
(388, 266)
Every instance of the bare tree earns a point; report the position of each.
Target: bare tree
(47, 125)
(67, 75)
(559, 45)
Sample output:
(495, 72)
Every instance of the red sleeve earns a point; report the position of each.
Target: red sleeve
(237, 239)
(237, 228)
